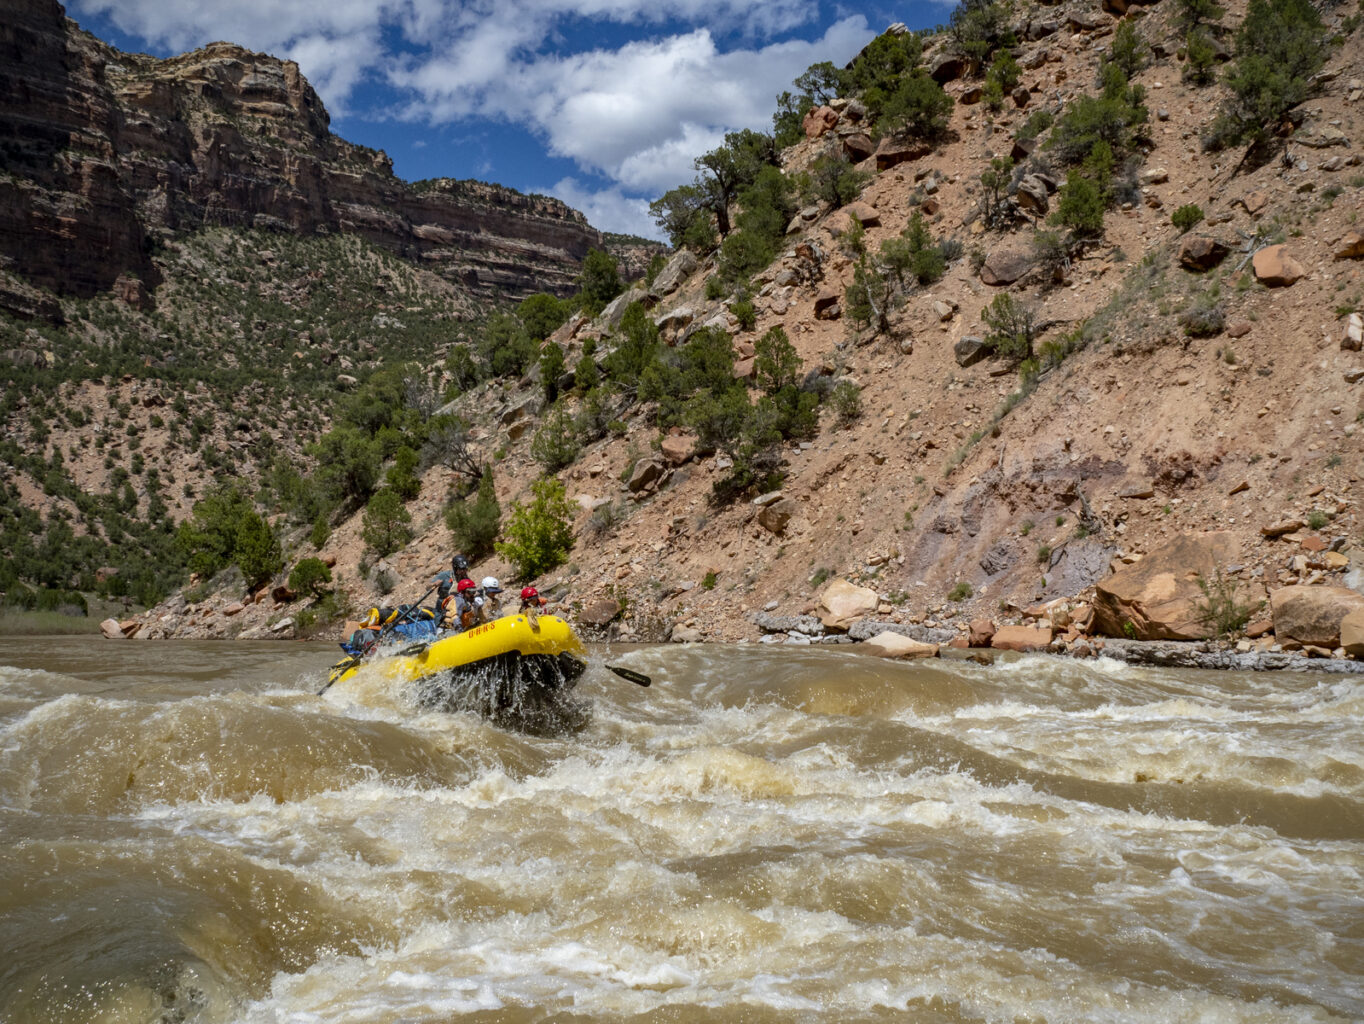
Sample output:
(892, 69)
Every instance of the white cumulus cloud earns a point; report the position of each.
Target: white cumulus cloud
(676, 76)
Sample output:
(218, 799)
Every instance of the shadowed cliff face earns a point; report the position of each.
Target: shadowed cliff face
(106, 151)
(67, 218)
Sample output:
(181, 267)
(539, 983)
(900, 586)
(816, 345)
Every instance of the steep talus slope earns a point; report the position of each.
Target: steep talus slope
(107, 153)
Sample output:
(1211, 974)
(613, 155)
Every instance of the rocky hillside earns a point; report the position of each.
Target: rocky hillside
(107, 154)
(1189, 374)
(964, 489)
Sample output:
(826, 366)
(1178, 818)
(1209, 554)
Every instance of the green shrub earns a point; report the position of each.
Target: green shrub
(556, 444)
(1193, 14)
(551, 369)
(505, 347)
(1128, 51)
(402, 475)
(978, 28)
(918, 108)
(474, 522)
(833, 180)
(846, 401)
(542, 314)
(745, 312)
(1080, 206)
(599, 282)
(1115, 117)
(540, 534)
(1012, 327)
(321, 532)
(1003, 76)
(386, 524)
(867, 299)
(257, 551)
(1186, 216)
(1204, 319)
(1280, 45)
(776, 364)
(1200, 62)
(637, 347)
(995, 180)
(960, 592)
(309, 577)
(1220, 608)
(1038, 122)
(1051, 252)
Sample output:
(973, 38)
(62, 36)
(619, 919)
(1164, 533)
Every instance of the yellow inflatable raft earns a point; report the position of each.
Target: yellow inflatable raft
(494, 668)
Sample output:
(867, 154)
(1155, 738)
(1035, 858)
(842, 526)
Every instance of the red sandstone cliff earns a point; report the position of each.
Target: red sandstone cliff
(104, 152)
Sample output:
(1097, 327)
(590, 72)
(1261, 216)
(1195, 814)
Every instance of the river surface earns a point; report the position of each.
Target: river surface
(188, 833)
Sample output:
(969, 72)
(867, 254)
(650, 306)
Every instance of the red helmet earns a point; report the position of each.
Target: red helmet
(529, 593)
(465, 585)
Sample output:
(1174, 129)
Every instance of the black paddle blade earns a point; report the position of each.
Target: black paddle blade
(337, 671)
(628, 673)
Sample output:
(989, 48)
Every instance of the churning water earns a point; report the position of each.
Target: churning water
(189, 833)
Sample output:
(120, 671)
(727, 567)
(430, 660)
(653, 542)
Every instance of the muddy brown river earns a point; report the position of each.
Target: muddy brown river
(188, 833)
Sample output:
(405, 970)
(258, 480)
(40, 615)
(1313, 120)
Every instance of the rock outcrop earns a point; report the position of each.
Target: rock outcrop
(1313, 615)
(842, 602)
(107, 152)
(1158, 598)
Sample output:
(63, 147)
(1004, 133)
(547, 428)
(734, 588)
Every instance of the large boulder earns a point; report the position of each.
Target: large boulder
(982, 631)
(1021, 638)
(1005, 266)
(111, 629)
(890, 153)
(678, 448)
(893, 645)
(1352, 633)
(948, 67)
(1274, 268)
(827, 306)
(858, 146)
(867, 216)
(775, 516)
(1032, 195)
(614, 312)
(1312, 615)
(1350, 247)
(970, 350)
(1159, 597)
(647, 473)
(599, 611)
(818, 121)
(1352, 338)
(842, 602)
(1201, 252)
(677, 270)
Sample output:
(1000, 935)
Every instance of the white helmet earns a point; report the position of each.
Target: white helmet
(491, 586)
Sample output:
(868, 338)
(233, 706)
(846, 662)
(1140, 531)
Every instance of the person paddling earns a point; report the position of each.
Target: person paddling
(466, 604)
(531, 603)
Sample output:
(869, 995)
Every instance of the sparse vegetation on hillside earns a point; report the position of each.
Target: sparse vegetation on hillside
(1280, 45)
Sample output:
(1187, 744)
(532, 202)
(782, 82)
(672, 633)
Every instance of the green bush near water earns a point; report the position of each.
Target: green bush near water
(540, 533)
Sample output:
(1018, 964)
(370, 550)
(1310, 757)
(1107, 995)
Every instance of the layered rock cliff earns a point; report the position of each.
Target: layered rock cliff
(105, 153)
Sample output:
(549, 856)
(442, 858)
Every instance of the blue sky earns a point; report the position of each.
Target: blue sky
(602, 103)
